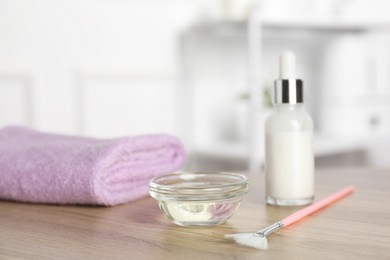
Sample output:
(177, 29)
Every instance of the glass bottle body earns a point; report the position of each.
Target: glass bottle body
(289, 157)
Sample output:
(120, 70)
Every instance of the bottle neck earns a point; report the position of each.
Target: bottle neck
(288, 107)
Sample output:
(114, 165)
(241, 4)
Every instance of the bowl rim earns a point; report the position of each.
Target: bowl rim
(216, 191)
(243, 179)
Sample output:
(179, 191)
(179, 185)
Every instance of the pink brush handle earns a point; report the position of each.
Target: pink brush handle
(316, 206)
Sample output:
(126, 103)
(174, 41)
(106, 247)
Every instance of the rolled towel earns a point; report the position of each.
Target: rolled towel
(49, 168)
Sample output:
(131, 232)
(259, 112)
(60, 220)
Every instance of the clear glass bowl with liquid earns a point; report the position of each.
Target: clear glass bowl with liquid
(199, 199)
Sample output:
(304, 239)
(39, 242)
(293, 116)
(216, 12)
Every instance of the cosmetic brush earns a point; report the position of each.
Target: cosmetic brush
(259, 239)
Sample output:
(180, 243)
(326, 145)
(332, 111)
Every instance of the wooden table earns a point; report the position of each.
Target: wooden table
(357, 227)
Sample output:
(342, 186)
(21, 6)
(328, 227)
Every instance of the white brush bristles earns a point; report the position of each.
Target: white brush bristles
(249, 239)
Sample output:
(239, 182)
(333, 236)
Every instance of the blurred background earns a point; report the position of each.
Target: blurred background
(201, 70)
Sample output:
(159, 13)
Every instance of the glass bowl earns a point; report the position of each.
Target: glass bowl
(199, 199)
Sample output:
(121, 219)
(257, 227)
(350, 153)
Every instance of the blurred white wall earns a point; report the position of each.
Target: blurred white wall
(92, 67)
(122, 67)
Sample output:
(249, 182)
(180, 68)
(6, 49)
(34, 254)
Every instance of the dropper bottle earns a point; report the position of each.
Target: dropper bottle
(289, 158)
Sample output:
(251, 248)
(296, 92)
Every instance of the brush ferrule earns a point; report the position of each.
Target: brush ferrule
(270, 229)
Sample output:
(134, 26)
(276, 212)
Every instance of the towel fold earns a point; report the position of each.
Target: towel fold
(49, 168)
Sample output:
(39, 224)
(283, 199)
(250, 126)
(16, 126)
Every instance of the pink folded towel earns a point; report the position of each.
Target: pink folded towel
(48, 168)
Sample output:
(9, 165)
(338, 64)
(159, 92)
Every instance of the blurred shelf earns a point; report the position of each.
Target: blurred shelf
(334, 25)
(227, 27)
(252, 30)
(323, 146)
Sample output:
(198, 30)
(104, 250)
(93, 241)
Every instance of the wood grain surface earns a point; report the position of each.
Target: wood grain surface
(357, 227)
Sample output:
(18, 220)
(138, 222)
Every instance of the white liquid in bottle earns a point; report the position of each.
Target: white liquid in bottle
(289, 142)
